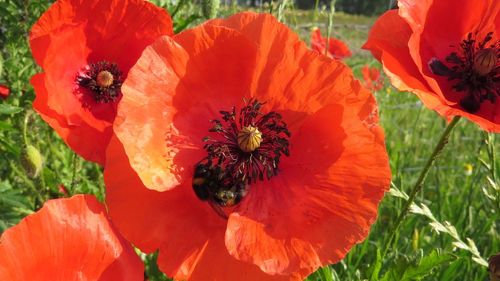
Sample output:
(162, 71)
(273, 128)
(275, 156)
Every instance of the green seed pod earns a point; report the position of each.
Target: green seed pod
(32, 161)
(210, 8)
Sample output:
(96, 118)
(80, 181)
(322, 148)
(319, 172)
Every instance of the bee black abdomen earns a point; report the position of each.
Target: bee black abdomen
(201, 192)
(200, 179)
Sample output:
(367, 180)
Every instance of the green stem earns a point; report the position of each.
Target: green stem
(316, 10)
(420, 181)
(281, 10)
(491, 147)
(490, 137)
(73, 176)
(25, 127)
(330, 26)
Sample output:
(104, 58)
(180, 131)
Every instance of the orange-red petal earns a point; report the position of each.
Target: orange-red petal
(183, 84)
(74, 33)
(4, 91)
(187, 232)
(288, 76)
(372, 78)
(68, 239)
(336, 48)
(394, 54)
(325, 197)
(116, 30)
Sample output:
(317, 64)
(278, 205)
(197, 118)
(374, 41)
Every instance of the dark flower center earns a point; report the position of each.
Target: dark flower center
(474, 71)
(103, 80)
(243, 148)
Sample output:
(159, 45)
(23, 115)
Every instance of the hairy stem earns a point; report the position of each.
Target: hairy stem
(420, 181)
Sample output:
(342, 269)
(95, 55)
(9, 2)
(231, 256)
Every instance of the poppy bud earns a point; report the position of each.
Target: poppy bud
(209, 8)
(32, 161)
(485, 61)
(494, 267)
(62, 189)
(249, 139)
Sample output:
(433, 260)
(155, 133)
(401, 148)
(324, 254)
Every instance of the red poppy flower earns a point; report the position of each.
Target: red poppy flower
(447, 52)
(336, 48)
(4, 91)
(86, 49)
(63, 189)
(68, 239)
(284, 182)
(372, 78)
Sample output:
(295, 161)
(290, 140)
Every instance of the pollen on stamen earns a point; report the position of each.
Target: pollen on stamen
(101, 80)
(104, 79)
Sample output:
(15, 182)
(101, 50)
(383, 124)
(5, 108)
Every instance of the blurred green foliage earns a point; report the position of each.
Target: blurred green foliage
(357, 7)
(450, 233)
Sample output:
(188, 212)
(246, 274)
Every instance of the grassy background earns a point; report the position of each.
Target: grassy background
(449, 235)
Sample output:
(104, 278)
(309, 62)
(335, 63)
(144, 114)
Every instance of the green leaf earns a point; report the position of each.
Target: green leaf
(412, 270)
(326, 273)
(4, 126)
(9, 109)
(9, 147)
(427, 264)
(377, 266)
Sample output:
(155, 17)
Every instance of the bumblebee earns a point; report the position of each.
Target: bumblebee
(212, 184)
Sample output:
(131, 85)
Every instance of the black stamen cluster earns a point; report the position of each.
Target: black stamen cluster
(87, 79)
(479, 87)
(247, 167)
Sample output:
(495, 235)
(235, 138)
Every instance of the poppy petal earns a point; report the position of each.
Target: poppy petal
(161, 221)
(317, 41)
(74, 133)
(291, 80)
(68, 239)
(317, 208)
(336, 48)
(395, 56)
(4, 91)
(193, 90)
(69, 36)
(118, 23)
